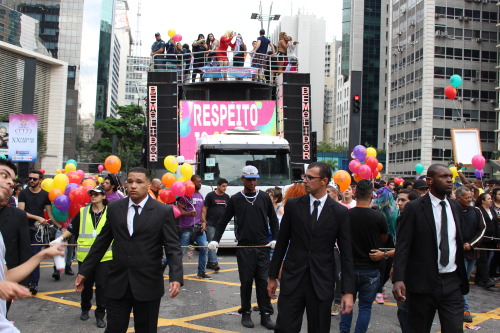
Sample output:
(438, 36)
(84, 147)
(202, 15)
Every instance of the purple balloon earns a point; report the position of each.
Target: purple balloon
(479, 173)
(62, 203)
(69, 188)
(360, 152)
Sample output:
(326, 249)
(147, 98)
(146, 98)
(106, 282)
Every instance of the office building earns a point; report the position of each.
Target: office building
(331, 51)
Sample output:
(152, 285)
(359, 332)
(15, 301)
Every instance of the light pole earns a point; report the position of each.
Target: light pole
(265, 17)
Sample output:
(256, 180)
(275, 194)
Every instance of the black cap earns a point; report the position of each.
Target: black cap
(157, 34)
(420, 184)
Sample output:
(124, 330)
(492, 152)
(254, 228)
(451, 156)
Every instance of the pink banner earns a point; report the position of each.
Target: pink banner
(200, 118)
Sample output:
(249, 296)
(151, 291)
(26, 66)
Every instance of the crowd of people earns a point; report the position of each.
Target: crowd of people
(324, 248)
(267, 58)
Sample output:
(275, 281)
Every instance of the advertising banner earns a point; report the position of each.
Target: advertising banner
(23, 137)
(4, 138)
(200, 118)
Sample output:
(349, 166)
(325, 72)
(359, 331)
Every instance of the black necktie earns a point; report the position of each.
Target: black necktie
(136, 216)
(314, 216)
(444, 246)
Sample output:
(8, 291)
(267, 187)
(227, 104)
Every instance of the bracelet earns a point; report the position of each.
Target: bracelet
(385, 255)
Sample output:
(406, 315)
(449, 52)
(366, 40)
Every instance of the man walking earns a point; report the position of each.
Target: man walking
(213, 209)
(191, 226)
(429, 264)
(309, 228)
(254, 213)
(34, 200)
(368, 230)
(139, 227)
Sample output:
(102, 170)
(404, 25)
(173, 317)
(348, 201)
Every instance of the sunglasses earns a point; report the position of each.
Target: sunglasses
(35, 179)
(94, 194)
(308, 177)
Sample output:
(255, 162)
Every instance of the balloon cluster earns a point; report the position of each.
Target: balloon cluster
(175, 36)
(365, 164)
(478, 162)
(176, 187)
(399, 180)
(455, 82)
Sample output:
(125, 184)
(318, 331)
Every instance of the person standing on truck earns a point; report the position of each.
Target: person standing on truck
(213, 208)
(252, 209)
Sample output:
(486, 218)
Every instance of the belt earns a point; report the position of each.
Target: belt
(446, 274)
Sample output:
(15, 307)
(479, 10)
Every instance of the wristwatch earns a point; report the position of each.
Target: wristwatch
(385, 255)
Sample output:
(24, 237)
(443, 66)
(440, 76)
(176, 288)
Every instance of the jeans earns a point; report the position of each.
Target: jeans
(212, 255)
(367, 282)
(35, 275)
(469, 267)
(201, 240)
(68, 252)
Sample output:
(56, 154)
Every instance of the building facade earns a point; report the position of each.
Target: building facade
(331, 72)
(431, 41)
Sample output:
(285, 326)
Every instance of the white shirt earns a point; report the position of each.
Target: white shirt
(321, 204)
(131, 213)
(452, 233)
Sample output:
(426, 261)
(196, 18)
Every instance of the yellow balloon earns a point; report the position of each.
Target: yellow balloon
(181, 179)
(171, 163)
(101, 180)
(69, 167)
(47, 184)
(187, 171)
(370, 151)
(378, 176)
(60, 181)
(58, 171)
(454, 171)
(171, 33)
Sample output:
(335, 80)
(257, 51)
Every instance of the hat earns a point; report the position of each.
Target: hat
(98, 189)
(157, 34)
(420, 184)
(250, 172)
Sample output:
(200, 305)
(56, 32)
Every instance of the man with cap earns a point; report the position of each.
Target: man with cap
(253, 212)
(421, 187)
(158, 47)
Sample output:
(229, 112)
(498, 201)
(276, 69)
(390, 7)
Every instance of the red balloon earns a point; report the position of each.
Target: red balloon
(189, 188)
(375, 173)
(74, 208)
(167, 196)
(450, 92)
(372, 162)
(74, 177)
(42, 171)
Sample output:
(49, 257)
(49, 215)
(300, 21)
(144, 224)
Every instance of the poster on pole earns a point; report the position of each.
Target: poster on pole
(466, 144)
(23, 137)
(4, 138)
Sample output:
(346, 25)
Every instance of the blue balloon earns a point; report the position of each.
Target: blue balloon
(456, 81)
(3, 156)
(72, 162)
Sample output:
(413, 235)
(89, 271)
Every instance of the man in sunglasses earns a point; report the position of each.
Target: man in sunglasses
(34, 200)
(308, 231)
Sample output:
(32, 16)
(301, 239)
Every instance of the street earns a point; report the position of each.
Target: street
(206, 305)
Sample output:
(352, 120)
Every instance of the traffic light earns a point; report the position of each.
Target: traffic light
(356, 103)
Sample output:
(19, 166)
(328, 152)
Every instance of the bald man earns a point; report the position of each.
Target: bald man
(154, 190)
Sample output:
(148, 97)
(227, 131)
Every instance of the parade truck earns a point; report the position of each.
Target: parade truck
(225, 155)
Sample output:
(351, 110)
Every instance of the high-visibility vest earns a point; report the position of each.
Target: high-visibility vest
(88, 234)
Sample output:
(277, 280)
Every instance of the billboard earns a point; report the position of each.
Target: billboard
(23, 137)
(200, 118)
(4, 138)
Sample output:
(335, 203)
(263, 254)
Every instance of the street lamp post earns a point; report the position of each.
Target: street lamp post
(265, 17)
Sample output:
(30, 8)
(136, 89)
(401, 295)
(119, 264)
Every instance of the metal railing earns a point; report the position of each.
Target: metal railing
(224, 66)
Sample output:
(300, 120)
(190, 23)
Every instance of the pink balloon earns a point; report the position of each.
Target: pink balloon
(478, 162)
(100, 167)
(81, 173)
(365, 172)
(354, 165)
(178, 188)
(177, 38)
(177, 211)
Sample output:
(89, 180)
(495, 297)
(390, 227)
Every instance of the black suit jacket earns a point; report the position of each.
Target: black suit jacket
(137, 258)
(16, 235)
(313, 248)
(417, 249)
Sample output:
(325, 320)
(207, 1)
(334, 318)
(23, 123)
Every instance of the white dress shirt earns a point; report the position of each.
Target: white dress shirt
(452, 233)
(131, 213)
(321, 204)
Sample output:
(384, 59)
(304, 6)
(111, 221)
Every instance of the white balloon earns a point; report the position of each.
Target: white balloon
(180, 159)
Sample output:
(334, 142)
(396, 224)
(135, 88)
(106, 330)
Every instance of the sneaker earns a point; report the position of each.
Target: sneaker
(265, 320)
(335, 309)
(56, 275)
(68, 270)
(33, 288)
(84, 316)
(246, 319)
(204, 276)
(100, 323)
(379, 299)
(215, 267)
(467, 317)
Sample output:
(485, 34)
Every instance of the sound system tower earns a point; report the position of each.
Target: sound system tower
(162, 126)
(293, 95)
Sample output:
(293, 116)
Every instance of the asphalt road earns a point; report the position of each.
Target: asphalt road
(207, 306)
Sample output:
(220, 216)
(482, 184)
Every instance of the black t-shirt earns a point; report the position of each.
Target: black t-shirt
(34, 202)
(366, 227)
(216, 205)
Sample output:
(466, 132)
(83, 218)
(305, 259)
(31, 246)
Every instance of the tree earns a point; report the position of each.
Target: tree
(324, 147)
(333, 164)
(128, 129)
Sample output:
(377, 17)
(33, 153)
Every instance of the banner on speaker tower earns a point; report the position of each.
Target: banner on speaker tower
(200, 118)
(23, 132)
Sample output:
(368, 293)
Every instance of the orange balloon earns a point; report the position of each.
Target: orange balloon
(168, 179)
(54, 193)
(90, 182)
(113, 164)
(96, 176)
(357, 177)
(380, 166)
(342, 179)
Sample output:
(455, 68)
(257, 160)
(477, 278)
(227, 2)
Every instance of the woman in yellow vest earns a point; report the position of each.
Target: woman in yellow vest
(87, 224)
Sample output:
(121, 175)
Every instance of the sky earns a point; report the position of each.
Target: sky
(192, 17)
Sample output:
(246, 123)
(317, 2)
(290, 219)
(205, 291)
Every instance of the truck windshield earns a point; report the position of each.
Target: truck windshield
(273, 165)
